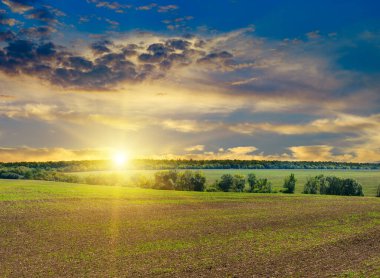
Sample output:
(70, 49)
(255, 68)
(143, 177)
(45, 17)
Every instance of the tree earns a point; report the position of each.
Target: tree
(333, 186)
(184, 181)
(311, 186)
(165, 179)
(238, 183)
(290, 184)
(264, 186)
(198, 181)
(251, 178)
(226, 182)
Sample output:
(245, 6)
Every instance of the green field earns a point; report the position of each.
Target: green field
(50, 229)
(369, 179)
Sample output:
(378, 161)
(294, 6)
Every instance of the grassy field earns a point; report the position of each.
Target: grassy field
(52, 229)
(369, 179)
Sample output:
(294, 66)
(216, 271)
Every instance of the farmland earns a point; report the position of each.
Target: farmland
(369, 179)
(51, 229)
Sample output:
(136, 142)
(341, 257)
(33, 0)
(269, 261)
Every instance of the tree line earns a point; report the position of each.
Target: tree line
(183, 164)
(190, 180)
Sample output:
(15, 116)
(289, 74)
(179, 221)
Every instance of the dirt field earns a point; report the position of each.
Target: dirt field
(68, 230)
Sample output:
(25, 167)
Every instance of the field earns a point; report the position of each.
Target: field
(52, 229)
(369, 179)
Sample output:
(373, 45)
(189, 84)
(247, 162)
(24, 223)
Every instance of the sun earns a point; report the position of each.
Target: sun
(120, 158)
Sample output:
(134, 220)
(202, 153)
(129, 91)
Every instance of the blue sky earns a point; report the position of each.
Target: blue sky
(288, 80)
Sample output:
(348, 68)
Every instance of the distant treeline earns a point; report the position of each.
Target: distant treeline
(149, 164)
(193, 181)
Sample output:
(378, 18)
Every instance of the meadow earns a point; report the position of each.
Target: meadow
(52, 229)
(370, 179)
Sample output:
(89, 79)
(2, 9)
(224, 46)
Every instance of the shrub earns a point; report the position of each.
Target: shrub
(184, 182)
(198, 181)
(142, 181)
(190, 181)
(165, 179)
(289, 184)
(251, 178)
(238, 183)
(311, 186)
(226, 182)
(333, 186)
(264, 186)
(213, 187)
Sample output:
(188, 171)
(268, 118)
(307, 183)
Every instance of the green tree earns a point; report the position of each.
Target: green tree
(238, 183)
(198, 181)
(264, 186)
(226, 182)
(184, 181)
(165, 179)
(289, 184)
(252, 180)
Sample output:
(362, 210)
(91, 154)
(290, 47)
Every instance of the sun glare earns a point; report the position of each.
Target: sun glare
(120, 159)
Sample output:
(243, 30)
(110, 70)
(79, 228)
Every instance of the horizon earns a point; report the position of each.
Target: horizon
(215, 80)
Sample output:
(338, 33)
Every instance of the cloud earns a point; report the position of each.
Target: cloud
(342, 123)
(189, 126)
(45, 14)
(4, 20)
(19, 6)
(196, 148)
(242, 150)
(146, 7)
(168, 8)
(52, 154)
(116, 6)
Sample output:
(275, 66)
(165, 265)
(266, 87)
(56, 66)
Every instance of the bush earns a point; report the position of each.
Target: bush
(165, 180)
(190, 181)
(226, 182)
(213, 187)
(251, 178)
(142, 181)
(263, 186)
(199, 181)
(333, 186)
(238, 183)
(184, 181)
(289, 184)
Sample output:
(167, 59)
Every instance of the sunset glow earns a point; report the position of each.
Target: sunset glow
(120, 159)
(173, 79)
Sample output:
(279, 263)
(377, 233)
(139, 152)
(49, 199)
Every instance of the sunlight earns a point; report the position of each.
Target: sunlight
(120, 158)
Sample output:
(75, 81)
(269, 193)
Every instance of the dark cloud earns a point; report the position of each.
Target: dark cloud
(159, 49)
(46, 50)
(216, 58)
(41, 32)
(19, 6)
(5, 20)
(178, 44)
(45, 14)
(7, 36)
(109, 65)
(20, 49)
(101, 47)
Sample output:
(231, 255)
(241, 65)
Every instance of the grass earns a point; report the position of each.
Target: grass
(52, 229)
(369, 179)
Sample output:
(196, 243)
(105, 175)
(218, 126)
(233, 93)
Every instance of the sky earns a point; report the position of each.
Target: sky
(227, 79)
